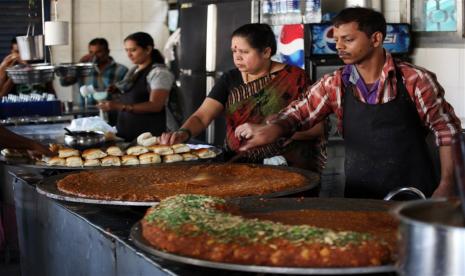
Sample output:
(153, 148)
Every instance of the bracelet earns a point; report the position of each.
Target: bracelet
(186, 130)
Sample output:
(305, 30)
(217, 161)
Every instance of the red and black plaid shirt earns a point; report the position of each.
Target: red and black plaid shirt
(325, 97)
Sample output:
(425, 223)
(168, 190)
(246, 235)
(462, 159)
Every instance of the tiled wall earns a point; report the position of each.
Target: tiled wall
(447, 63)
(113, 20)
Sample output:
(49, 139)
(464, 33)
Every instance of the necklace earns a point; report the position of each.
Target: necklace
(268, 73)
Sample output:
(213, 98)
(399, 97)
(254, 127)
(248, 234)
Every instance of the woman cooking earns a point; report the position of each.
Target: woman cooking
(145, 90)
(256, 89)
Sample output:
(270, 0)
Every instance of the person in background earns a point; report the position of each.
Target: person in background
(384, 107)
(107, 72)
(257, 88)
(143, 92)
(6, 83)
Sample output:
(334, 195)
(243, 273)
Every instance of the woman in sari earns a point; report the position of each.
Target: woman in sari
(253, 92)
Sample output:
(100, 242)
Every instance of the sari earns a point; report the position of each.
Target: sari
(254, 101)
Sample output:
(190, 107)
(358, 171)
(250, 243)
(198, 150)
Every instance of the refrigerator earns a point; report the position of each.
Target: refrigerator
(204, 51)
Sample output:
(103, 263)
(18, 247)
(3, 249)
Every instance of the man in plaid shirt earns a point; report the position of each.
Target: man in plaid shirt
(384, 108)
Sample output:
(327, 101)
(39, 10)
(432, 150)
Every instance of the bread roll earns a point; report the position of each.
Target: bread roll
(114, 151)
(136, 150)
(161, 149)
(74, 161)
(180, 148)
(130, 160)
(93, 154)
(110, 161)
(189, 156)
(172, 158)
(204, 153)
(143, 136)
(91, 162)
(150, 141)
(149, 158)
(67, 152)
(56, 161)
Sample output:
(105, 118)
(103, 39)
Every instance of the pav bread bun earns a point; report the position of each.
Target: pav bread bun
(143, 136)
(67, 152)
(204, 153)
(150, 141)
(189, 156)
(110, 161)
(91, 162)
(180, 148)
(130, 160)
(136, 150)
(93, 154)
(114, 151)
(74, 161)
(172, 158)
(149, 158)
(56, 161)
(161, 149)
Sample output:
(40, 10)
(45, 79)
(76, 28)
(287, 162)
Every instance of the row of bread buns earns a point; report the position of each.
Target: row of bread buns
(135, 155)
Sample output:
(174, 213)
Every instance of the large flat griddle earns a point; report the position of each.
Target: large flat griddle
(280, 204)
(48, 187)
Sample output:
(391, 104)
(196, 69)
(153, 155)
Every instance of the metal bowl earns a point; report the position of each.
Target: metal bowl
(65, 70)
(31, 74)
(84, 139)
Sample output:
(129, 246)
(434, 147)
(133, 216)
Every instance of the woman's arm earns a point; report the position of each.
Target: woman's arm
(196, 123)
(156, 103)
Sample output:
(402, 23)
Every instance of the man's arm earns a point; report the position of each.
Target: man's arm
(9, 139)
(446, 185)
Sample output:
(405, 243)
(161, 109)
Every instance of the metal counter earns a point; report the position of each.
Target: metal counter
(60, 238)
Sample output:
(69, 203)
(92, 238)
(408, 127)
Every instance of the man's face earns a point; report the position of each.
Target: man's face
(14, 49)
(99, 52)
(354, 46)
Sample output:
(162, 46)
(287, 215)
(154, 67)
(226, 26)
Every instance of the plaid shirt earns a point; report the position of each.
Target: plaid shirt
(326, 96)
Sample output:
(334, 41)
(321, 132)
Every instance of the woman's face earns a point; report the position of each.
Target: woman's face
(136, 54)
(247, 59)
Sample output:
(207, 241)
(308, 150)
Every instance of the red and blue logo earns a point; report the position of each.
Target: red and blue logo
(291, 44)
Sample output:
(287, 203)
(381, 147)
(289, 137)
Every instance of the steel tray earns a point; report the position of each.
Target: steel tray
(276, 204)
(49, 188)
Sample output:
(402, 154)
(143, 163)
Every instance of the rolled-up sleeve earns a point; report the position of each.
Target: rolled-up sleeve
(436, 113)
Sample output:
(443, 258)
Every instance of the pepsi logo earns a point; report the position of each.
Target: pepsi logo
(329, 38)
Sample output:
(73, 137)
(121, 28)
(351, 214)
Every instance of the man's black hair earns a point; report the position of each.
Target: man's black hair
(369, 21)
(100, 41)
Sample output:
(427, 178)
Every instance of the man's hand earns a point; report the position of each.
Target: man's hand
(254, 135)
(445, 189)
(87, 58)
(175, 137)
(109, 105)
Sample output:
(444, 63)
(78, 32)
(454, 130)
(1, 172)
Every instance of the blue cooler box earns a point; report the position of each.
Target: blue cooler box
(44, 108)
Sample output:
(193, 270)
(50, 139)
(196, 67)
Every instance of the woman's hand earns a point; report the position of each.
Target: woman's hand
(109, 105)
(175, 137)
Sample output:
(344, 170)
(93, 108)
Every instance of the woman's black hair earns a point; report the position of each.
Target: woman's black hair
(145, 40)
(258, 35)
(369, 21)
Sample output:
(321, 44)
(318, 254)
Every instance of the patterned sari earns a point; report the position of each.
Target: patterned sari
(253, 102)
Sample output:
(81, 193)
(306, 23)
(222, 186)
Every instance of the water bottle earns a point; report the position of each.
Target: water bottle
(312, 11)
(293, 12)
(266, 12)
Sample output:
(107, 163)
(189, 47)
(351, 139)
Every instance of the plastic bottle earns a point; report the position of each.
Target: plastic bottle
(294, 15)
(312, 11)
(266, 12)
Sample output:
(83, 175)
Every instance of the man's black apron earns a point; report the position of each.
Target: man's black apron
(130, 125)
(385, 146)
